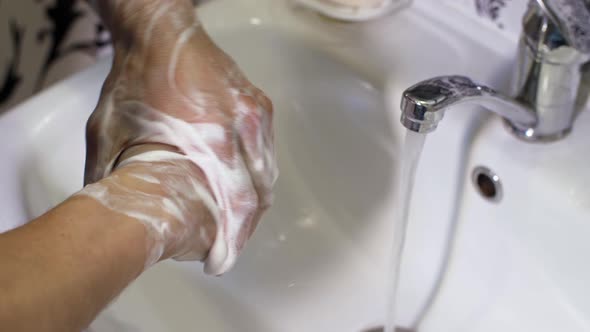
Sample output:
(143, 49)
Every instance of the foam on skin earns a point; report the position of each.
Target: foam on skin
(232, 148)
(157, 210)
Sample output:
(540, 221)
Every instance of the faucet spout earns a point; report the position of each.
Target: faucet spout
(423, 105)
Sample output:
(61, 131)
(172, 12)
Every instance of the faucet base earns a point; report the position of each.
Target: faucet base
(530, 135)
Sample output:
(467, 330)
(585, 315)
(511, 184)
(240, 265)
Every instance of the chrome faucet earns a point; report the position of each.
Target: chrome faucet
(554, 45)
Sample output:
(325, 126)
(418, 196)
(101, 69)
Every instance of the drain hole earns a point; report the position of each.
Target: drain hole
(486, 186)
(487, 183)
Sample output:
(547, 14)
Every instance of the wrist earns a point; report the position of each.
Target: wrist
(135, 22)
(115, 237)
(190, 229)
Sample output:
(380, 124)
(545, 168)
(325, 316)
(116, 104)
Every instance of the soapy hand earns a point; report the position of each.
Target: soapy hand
(171, 85)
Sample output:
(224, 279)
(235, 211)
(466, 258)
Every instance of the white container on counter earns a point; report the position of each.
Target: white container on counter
(354, 10)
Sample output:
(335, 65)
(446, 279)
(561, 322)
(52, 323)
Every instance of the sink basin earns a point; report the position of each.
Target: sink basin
(318, 261)
(519, 264)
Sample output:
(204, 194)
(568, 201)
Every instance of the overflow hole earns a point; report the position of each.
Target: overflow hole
(487, 183)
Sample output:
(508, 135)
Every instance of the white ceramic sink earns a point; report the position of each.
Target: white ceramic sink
(318, 260)
(521, 264)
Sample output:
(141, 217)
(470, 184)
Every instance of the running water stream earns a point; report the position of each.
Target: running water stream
(410, 156)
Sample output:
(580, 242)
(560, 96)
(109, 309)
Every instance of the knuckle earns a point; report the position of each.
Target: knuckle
(92, 124)
(249, 102)
(263, 100)
(266, 103)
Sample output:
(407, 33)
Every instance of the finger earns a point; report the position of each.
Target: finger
(91, 170)
(250, 222)
(257, 144)
(105, 137)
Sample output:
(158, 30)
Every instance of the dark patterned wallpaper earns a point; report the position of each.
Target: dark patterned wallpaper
(63, 14)
(490, 9)
(44, 32)
(11, 77)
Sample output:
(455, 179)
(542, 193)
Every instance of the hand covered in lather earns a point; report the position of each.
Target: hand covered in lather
(177, 115)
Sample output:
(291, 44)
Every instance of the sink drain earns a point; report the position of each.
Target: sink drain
(487, 183)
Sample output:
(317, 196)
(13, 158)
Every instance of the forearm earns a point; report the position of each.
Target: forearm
(62, 269)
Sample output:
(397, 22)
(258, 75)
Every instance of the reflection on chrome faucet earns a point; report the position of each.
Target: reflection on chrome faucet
(423, 104)
(554, 47)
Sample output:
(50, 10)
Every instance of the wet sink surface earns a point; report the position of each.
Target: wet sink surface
(326, 112)
(318, 259)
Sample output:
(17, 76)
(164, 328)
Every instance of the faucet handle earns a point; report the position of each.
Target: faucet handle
(573, 19)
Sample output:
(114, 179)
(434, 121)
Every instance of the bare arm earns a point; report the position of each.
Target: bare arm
(60, 270)
(180, 164)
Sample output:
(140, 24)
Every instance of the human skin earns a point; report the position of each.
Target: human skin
(149, 194)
